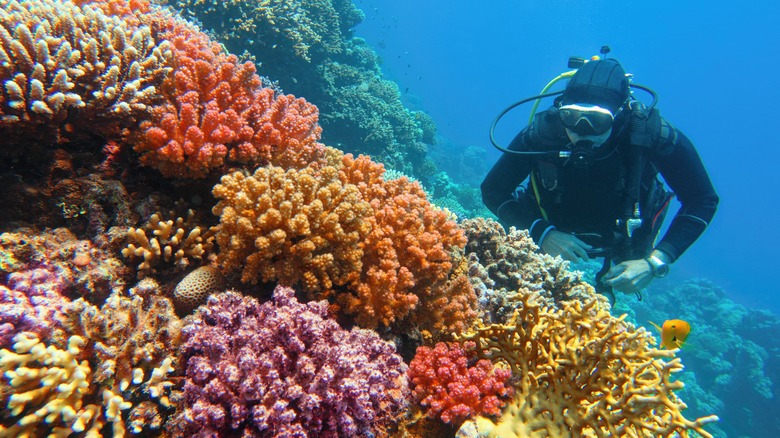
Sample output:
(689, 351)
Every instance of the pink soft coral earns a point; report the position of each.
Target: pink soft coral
(283, 368)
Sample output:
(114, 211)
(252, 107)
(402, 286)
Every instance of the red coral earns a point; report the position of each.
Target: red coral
(452, 390)
(217, 109)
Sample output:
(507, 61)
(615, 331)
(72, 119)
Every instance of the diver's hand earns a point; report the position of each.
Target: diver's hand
(629, 276)
(569, 247)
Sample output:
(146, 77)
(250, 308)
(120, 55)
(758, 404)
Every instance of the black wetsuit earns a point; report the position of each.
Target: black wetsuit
(590, 199)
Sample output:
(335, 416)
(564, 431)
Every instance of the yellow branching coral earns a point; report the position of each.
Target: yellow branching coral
(115, 371)
(171, 241)
(56, 391)
(295, 226)
(126, 334)
(56, 57)
(49, 389)
(582, 372)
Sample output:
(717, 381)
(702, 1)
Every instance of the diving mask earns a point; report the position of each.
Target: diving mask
(586, 120)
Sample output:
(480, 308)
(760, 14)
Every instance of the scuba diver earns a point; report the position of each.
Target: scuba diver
(582, 178)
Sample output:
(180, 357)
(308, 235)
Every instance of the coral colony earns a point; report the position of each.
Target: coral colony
(182, 256)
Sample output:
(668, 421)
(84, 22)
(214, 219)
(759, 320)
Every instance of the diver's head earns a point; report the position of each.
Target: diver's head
(594, 96)
(601, 82)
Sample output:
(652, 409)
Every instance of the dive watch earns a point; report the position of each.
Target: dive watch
(659, 267)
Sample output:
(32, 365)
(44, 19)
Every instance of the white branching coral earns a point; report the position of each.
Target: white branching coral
(56, 56)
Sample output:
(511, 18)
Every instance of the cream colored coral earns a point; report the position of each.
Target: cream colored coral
(296, 226)
(170, 241)
(582, 372)
(56, 56)
(51, 385)
(128, 338)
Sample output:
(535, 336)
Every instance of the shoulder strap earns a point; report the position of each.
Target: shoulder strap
(645, 125)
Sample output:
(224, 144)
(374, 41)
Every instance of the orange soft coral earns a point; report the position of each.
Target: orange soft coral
(217, 109)
(296, 227)
(407, 251)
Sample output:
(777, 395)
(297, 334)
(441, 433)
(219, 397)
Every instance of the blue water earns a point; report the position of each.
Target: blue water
(714, 65)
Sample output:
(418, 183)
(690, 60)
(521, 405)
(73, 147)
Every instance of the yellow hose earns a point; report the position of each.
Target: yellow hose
(564, 75)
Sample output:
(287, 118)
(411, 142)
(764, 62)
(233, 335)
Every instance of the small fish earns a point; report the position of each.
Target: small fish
(673, 333)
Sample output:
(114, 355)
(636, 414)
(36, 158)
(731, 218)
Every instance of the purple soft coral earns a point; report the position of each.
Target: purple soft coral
(31, 302)
(284, 369)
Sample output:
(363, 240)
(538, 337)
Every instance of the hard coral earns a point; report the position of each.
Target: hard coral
(194, 289)
(176, 242)
(57, 58)
(33, 303)
(73, 267)
(50, 384)
(504, 264)
(131, 345)
(582, 372)
(295, 226)
(57, 391)
(284, 369)
(454, 390)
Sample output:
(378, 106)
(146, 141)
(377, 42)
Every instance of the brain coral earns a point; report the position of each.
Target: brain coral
(197, 286)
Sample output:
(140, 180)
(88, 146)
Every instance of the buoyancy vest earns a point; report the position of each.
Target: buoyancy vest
(618, 197)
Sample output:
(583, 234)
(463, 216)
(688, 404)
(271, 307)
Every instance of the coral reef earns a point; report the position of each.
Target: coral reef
(295, 226)
(284, 369)
(176, 242)
(92, 91)
(452, 389)
(315, 55)
(582, 372)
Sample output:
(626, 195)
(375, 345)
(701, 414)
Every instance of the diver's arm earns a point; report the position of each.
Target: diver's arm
(509, 171)
(682, 169)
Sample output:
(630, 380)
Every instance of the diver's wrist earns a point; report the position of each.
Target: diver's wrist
(658, 266)
(662, 256)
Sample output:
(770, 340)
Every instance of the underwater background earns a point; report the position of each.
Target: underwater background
(187, 246)
(709, 62)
